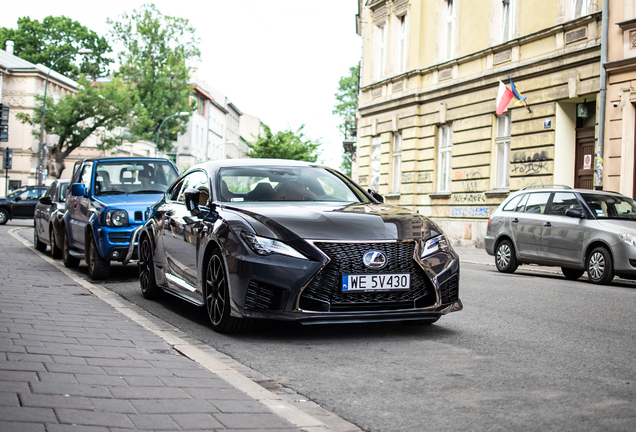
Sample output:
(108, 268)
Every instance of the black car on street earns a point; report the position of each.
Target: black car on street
(48, 218)
(20, 204)
(286, 240)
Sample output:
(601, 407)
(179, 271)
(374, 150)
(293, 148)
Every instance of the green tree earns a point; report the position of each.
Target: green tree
(45, 42)
(346, 108)
(157, 50)
(95, 110)
(284, 145)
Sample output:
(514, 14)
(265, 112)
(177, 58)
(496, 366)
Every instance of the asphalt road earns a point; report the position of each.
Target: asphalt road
(530, 351)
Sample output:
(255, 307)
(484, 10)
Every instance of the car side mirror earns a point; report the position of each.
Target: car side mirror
(192, 199)
(376, 196)
(17, 199)
(78, 189)
(574, 213)
(46, 200)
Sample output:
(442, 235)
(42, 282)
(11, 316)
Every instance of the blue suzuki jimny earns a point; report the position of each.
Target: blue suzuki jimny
(108, 199)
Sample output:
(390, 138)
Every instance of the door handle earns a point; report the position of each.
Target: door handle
(515, 220)
(547, 224)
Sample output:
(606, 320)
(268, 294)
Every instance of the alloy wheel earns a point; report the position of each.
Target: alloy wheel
(216, 290)
(144, 266)
(596, 266)
(503, 255)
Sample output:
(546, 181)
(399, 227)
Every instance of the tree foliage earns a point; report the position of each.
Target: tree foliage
(157, 50)
(346, 108)
(95, 110)
(284, 145)
(45, 42)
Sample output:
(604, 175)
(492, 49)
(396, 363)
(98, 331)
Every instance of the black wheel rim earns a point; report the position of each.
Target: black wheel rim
(52, 241)
(91, 257)
(145, 262)
(216, 289)
(3, 217)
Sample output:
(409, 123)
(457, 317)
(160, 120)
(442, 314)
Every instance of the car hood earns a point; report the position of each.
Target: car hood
(139, 200)
(618, 226)
(334, 221)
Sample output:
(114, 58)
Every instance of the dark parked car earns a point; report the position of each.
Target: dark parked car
(20, 204)
(293, 241)
(578, 230)
(48, 218)
(108, 199)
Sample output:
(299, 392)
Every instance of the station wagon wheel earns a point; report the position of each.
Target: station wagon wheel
(56, 252)
(36, 241)
(217, 298)
(4, 216)
(505, 258)
(572, 274)
(98, 268)
(600, 266)
(69, 260)
(149, 288)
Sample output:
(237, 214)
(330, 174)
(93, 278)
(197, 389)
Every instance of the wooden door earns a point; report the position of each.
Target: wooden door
(584, 158)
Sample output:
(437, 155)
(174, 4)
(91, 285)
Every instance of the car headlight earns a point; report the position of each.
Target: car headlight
(265, 246)
(116, 218)
(628, 239)
(434, 245)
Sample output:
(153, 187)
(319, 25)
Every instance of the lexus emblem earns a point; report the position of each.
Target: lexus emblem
(374, 260)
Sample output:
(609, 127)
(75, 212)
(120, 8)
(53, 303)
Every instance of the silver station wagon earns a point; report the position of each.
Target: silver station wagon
(578, 230)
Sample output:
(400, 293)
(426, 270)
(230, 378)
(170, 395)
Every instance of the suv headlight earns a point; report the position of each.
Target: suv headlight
(434, 245)
(265, 246)
(116, 218)
(628, 239)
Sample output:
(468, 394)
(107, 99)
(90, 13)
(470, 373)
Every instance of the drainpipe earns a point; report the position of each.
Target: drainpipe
(602, 97)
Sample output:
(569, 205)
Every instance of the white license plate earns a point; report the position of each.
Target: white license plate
(376, 282)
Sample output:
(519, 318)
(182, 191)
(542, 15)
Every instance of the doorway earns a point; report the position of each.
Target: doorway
(584, 158)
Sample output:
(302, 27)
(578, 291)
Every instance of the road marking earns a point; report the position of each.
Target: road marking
(254, 390)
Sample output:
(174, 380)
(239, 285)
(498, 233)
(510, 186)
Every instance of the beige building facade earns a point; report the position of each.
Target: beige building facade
(428, 135)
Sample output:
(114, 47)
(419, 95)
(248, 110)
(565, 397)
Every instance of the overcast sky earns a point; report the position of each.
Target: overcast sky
(279, 60)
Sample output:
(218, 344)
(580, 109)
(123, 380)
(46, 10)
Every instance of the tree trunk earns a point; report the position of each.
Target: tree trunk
(55, 162)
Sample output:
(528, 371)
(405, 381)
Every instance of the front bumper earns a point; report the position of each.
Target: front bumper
(114, 243)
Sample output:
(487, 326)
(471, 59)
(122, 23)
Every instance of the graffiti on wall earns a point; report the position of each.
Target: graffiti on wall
(469, 198)
(530, 164)
(480, 211)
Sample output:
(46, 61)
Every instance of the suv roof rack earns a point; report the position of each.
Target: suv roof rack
(545, 186)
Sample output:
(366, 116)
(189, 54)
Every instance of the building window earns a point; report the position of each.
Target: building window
(376, 152)
(502, 174)
(380, 63)
(397, 163)
(507, 20)
(402, 42)
(449, 42)
(444, 158)
(581, 8)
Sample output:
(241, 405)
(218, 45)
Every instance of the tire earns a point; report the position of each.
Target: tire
(36, 241)
(149, 288)
(572, 274)
(4, 216)
(56, 252)
(505, 258)
(600, 266)
(422, 322)
(69, 260)
(217, 298)
(98, 268)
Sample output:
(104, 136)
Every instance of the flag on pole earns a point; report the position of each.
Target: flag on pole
(504, 95)
(515, 92)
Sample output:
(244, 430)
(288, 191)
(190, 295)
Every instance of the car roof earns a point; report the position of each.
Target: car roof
(248, 162)
(563, 189)
(117, 158)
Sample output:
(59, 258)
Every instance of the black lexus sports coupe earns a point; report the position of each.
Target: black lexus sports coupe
(256, 239)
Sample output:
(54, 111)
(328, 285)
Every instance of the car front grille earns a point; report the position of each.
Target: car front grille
(118, 237)
(449, 290)
(260, 296)
(324, 293)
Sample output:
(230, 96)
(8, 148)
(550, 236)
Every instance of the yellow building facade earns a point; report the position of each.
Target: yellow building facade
(428, 135)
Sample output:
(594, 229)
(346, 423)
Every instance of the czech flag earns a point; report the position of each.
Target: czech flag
(504, 96)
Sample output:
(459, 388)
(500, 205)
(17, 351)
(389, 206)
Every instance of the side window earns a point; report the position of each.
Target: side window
(85, 175)
(521, 207)
(537, 202)
(562, 201)
(197, 180)
(512, 204)
(174, 193)
(51, 191)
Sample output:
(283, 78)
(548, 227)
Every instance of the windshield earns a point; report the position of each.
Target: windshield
(611, 206)
(133, 177)
(272, 183)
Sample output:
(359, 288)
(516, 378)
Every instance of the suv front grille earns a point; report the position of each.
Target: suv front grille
(324, 292)
(118, 237)
(449, 290)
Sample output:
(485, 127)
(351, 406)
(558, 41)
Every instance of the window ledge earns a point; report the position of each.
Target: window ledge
(496, 193)
(440, 195)
(393, 195)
